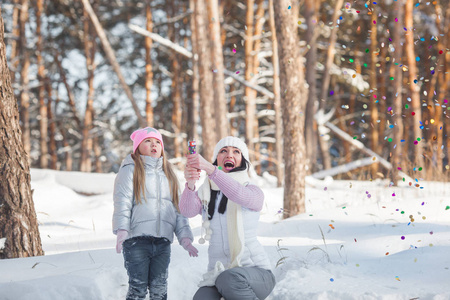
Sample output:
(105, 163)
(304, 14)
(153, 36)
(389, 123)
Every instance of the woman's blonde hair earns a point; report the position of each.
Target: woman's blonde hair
(139, 179)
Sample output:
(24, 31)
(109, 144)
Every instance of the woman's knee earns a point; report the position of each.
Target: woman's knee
(230, 280)
(207, 292)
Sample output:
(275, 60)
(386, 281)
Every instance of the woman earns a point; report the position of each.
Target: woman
(238, 266)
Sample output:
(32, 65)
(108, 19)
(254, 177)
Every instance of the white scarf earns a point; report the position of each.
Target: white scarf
(235, 226)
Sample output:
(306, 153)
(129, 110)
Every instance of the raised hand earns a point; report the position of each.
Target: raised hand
(198, 162)
(191, 175)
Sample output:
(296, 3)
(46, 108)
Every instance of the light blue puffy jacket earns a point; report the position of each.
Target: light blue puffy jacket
(157, 216)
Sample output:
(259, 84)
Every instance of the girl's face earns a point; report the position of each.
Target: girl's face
(151, 147)
(229, 158)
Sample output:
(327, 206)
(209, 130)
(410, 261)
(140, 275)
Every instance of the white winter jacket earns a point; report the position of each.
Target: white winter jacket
(157, 216)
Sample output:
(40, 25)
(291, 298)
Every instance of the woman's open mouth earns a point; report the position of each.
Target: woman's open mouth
(228, 165)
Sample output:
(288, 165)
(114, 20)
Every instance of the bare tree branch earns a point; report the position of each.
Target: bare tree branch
(183, 51)
(112, 59)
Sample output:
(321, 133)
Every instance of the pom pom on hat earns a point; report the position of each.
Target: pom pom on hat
(233, 142)
(141, 134)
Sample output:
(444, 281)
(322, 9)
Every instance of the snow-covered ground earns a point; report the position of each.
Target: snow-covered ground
(357, 240)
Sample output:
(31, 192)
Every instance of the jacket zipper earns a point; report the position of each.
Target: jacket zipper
(158, 194)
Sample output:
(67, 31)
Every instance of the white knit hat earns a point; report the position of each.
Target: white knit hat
(233, 142)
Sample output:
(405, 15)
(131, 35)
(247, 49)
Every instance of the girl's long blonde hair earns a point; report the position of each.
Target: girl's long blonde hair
(139, 179)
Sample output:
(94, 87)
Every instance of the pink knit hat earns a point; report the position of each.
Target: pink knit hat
(141, 134)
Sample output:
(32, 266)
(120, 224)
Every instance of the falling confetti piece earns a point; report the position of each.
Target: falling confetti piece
(393, 194)
(396, 277)
(325, 188)
(447, 208)
(331, 225)
(234, 50)
(357, 265)
(237, 72)
(387, 253)
(331, 92)
(431, 232)
(331, 279)
(403, 237)
(289, 7)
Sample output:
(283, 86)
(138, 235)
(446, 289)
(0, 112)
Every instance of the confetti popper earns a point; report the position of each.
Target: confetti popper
(191, 145)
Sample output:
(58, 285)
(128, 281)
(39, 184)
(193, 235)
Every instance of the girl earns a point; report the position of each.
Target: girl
(238, 266)
(146, 215)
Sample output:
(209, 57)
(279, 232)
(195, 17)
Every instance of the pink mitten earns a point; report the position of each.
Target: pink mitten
(187, 245)
(121, 237)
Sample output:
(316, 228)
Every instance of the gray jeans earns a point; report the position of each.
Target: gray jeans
(241, 283)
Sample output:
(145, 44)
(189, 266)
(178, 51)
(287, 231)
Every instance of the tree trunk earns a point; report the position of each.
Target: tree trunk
(176, 83)
(209, 138)
(249, 98)
(148, 66)
(18, 221)
(194, 108)
(277, 100)
(414, 88)
(293, 103)
(14, 57)
(397, 149)
(220, 103)
(51, 127)
(97, 155)
(86, 142)
(43, 121)
(259, 17)
(310, 76)
(233, 121)
(447, 79)
(373, 106)
(24, 94)
(65, 144)
(437, 138)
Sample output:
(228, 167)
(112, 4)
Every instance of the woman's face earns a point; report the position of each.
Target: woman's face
(151, 147)
(229, 158)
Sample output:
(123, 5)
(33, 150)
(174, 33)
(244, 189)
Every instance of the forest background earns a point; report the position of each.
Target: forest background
(355, 90)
